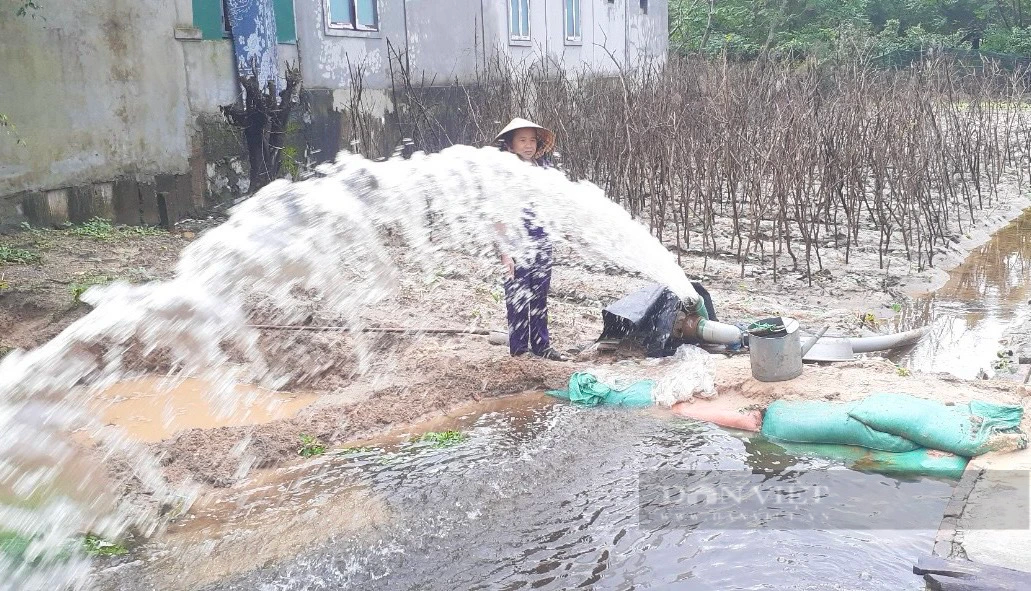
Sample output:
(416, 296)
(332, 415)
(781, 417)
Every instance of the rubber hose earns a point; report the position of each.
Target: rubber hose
(718, 333)
(888, 341)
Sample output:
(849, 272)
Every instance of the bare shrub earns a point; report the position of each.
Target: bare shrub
(767, 162)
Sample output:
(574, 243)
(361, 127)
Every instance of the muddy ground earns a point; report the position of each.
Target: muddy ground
(412, 377)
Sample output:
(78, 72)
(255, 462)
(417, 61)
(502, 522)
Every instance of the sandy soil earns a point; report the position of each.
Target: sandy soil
(412, 377)
(37, 301)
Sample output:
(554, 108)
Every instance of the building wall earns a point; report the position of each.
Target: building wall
(616, 32)
(100, 90)
(103, 90)
(94, 91)
(648, 34)
(329, 56)
(447, 39)
(218, 157)
(442, 38)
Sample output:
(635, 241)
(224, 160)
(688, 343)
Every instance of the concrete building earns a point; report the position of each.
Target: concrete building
(120, 101)
(448, 39)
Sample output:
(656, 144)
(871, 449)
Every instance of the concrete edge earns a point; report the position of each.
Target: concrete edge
(948, 542)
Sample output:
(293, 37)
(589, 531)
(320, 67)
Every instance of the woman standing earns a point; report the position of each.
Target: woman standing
(528, 277)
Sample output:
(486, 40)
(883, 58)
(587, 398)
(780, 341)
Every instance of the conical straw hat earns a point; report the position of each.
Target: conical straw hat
(545, 135)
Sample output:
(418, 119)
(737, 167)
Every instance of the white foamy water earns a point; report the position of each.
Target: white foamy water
(324, 235)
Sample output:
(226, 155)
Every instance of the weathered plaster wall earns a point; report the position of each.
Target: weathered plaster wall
(617, 32)
(106, 89)
(649, 33)
(330, 55)
(219, 160)
(446, 38)
(96, 90)
(101, 90)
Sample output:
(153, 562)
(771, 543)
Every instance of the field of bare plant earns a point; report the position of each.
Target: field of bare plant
(768, 163)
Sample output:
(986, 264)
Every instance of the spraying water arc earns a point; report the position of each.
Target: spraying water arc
(326, 236)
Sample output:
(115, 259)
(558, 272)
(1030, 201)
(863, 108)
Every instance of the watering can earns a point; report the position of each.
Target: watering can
(775, 349)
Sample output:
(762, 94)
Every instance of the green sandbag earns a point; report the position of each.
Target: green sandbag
(585, 389)
(964, 430)
(805, 421)
(917, 462)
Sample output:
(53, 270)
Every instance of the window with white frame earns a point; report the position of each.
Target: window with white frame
(572, 20)
(356, 15)
(519, 20)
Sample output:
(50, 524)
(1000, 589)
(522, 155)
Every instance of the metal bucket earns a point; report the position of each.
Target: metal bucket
(779, 357)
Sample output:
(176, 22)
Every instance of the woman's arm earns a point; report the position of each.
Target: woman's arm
(506, 259)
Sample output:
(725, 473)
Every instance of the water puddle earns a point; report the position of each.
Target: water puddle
(985, 298)
(536, 495)
(150, 410)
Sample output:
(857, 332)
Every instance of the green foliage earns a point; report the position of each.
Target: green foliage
(763, 328)
(87, 281)
(98, 228)
(289, 161)
(101, 229)
(18, 256)
(868, 320)
(97, 546)
(445, 438)
(360, 449)
(310, 446)
(12, 545)
(128, 231)
(15, 546)
(743, 28)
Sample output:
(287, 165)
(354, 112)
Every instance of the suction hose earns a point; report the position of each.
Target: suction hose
(718, 333)
(711, 331)
(887, 341)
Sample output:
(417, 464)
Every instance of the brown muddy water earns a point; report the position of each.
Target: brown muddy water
(985, 300)
(542, 496)
(151, 409)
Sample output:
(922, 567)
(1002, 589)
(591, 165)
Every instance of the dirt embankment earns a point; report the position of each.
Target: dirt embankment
(440, 388)
(411, 377)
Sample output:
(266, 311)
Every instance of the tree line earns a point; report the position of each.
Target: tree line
(747, 28)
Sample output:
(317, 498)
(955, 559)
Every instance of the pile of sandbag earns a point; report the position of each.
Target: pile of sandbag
(898, 423)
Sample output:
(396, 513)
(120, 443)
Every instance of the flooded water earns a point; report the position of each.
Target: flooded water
(325, 238)
(985, 298)
(540, 496)
(149, 410)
